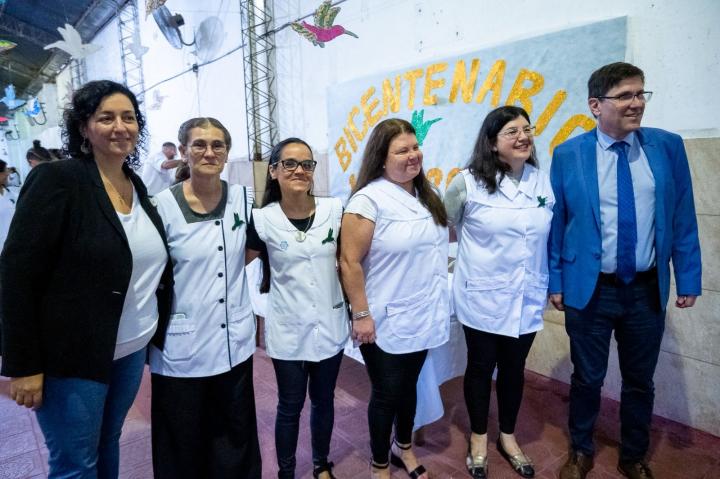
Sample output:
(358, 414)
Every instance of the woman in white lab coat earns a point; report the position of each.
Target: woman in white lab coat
(7, 203)
(203, 405)
(501, 207)
(306, 325)
(394, 269)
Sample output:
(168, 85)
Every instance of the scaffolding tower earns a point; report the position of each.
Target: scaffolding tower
(132, 64)
(259, 73)
(78, 73)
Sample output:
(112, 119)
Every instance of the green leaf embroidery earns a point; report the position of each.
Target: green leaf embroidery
(541, 201)
(421, 127)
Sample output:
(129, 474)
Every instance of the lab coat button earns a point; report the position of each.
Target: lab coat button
(220, 248)
(222, 300)
(217, 222)
(220, 275)
(222, 325)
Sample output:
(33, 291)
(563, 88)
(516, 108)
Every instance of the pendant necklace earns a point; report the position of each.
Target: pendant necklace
(300, 236)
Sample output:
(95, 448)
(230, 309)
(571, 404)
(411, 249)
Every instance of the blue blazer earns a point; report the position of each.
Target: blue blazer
(575, 245)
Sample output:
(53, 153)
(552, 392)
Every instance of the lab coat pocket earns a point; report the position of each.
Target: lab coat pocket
(491, 297)
(241, 322)
(535, 296)
(180, 339)
(413, 316)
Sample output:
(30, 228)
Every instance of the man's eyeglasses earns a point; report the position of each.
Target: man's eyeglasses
(514, 133)
(291, 165)
(627, 98)
(200, 147)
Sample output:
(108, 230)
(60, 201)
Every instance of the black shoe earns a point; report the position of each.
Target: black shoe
(398, 462)
(519, 462)
(635, 470)
(327, 467)
(477, 466)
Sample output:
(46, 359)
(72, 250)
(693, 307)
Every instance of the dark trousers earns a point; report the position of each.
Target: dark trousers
(485, 352)
(294, 380)
(393, 398)
(634, 312)
(206, 426)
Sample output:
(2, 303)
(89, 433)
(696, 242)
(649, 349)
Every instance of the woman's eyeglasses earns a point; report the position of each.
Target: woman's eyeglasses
(291, 165)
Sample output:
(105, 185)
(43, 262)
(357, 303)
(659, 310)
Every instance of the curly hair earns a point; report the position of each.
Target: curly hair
(85, 102)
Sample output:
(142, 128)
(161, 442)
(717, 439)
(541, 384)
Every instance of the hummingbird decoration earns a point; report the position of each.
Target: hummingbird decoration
(323, 29)
(9, 98)
(421, 126)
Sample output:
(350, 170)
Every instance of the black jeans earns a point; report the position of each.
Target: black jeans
(634, 312)
(394, 396)
(294, 379)
(485, 352)
(206, 426)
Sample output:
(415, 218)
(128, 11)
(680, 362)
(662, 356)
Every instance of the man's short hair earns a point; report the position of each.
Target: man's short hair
(168, 144)
(605, 78)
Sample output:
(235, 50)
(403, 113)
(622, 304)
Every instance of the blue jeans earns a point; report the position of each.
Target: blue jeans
(82, 420)
(292, 379)
(634, 312)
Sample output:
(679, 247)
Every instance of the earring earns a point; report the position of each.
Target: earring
(85, 146)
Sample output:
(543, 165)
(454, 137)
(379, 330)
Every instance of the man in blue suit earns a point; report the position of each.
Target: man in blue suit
(623, 209)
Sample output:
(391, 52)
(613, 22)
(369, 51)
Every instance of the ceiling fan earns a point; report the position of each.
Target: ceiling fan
(207, 40)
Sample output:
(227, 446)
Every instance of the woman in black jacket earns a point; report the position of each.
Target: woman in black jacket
(86, 284)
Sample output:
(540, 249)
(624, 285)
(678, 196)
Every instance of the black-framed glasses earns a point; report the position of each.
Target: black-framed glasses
(291, 165)
(514, 133)
(627, 98)
(199, 147)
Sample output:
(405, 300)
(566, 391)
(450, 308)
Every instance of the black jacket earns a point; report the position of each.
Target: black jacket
(64, 270)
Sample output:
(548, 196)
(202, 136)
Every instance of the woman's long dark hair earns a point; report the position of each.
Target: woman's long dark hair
(85, 102)
(373, 161)
(485, 163)
(273, 194)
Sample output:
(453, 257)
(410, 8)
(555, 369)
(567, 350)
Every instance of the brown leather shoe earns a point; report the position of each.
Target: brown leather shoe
(635, 470)
(577, 466)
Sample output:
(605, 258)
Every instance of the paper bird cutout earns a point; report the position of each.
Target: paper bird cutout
(33, 109)
(158, 99)
(72, 43)
(136, 47)
(9, 98)
(6, 45)
(421, 127)
(152, 5)
(323, 30)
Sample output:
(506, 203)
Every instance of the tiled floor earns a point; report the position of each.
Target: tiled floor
(677, 451)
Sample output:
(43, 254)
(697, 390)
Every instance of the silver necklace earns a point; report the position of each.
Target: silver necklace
(301, 236)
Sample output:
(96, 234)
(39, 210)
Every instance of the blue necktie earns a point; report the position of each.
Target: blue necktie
(627, 222)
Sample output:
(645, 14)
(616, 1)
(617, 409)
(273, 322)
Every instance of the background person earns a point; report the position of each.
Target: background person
(158, 170)
(306, 327)
(394, 269)
(501, 206)
(203, 403)
(86, 284)
(624, 209)
(37, 154)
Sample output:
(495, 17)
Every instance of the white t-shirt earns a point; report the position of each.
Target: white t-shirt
(140, 310)
(155, 177)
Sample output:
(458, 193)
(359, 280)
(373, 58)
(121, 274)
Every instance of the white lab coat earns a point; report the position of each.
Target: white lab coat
(501, 272)
(406, 272)
(306, 318)
(7, 210)
(212, 326)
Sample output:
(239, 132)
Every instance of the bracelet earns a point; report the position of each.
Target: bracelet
(360, 315)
